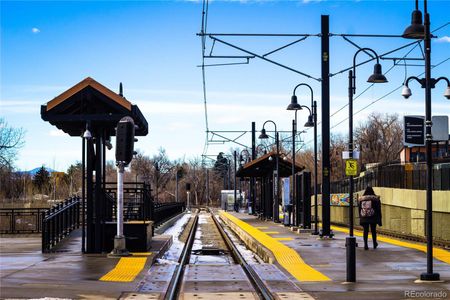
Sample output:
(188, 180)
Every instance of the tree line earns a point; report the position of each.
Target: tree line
(379, 140)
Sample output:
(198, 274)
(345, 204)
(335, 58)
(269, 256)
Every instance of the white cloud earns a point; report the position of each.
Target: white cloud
(444, 39)
(19, 106)
(310, 1)
(58, 133)
(35, 30)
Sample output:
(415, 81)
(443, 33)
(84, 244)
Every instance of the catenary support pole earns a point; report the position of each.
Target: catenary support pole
(325, 39)
(316, 213)
(252, 179)
(234, 184)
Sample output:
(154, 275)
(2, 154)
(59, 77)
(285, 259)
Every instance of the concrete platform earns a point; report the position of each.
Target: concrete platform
(388, 272)
(27, 273)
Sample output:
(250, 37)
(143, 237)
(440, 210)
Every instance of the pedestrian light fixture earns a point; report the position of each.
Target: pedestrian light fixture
(244, 157)
(263, 134)
(87, 133)
(295, 106)
(416, 30)
(376, 77)
(276, 202)
(406, 91)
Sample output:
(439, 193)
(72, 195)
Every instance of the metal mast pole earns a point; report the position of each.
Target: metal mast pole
(350, 240)
(316, 214)
(429, 159)
(293, 200)
(235, 192)
(325, 24)
(276, 216)
(252, 179)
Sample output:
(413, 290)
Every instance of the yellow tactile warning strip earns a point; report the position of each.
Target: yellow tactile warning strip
(127, 268)
(440, 254)
(284, 239)
(287, 257)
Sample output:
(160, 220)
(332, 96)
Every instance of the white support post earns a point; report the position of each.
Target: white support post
(119, 240)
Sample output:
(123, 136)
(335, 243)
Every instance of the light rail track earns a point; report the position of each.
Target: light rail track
(255, 285)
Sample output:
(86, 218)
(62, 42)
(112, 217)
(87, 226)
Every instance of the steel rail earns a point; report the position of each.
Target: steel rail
(256, 281)
(177, 277)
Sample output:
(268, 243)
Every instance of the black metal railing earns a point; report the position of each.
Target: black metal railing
(137, 201)
(59, 221)
(21, 220)
(165, 211)
(407, 176)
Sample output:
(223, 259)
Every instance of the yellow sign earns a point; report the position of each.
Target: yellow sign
(351, 167)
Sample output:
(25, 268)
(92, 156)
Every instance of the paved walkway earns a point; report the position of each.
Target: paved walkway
(388, 272)
(27, 273)
(316, 266)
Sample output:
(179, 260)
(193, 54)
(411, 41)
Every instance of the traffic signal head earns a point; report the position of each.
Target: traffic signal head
(125, 140)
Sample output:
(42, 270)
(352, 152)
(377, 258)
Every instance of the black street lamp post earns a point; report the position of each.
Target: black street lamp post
(234, 184)
(418, 31)
(241, 162)
(263, 135)
(312, 122)
(376, 77)
(406, 92)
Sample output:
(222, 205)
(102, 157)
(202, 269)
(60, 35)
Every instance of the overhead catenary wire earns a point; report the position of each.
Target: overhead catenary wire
(418, 44)
(389, 93)
(360, 94)
(213, 36)
(379, 99)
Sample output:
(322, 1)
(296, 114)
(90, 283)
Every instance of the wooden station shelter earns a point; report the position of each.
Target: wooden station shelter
(91, 111)
(262, 169)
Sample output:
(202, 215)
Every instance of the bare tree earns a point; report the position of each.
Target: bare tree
(196, 176)
(380, 138)
(11, 140)
(142, 167)
(338, 144)
(74, 175)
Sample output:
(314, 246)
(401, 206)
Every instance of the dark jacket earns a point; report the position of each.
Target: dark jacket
(369, 208)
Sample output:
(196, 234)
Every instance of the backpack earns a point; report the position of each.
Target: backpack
(367, 209)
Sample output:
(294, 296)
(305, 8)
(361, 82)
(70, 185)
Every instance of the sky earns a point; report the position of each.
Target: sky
(152, 47)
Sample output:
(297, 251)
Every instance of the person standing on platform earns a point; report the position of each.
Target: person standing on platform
(369, 207)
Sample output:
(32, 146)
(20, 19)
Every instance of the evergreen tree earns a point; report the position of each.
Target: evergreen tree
(221, 168)
(42, 180)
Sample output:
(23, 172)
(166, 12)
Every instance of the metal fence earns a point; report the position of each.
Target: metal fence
(59, 221)
(21, 220)
(137, 201)
(164, 211)
(407, 176)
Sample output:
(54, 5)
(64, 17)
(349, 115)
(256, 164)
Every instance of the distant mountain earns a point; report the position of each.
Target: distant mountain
(35, 170)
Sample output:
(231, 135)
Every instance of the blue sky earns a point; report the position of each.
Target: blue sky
(152, 47)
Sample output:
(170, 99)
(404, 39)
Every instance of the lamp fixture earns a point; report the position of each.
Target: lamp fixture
(310, 122)
(294, 104)
(263, 134)
(406, 91)
(416, 30)
(377, 76)
(87, 133)
(447, 93)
